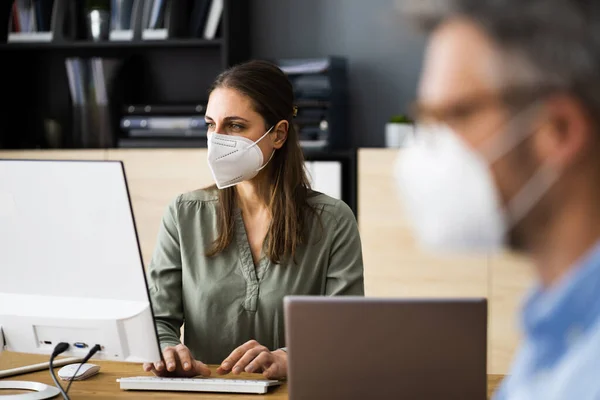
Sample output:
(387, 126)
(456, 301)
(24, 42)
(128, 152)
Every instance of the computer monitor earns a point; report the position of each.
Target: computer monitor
(71, 268)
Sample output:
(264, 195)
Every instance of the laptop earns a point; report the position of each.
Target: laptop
(372, 348)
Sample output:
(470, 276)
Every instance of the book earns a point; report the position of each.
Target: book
(153, 24)
(121, 11)
(212, 21)
(30, 21)
(43, 14)
(156, 17)
(122, 19)
(198, 18)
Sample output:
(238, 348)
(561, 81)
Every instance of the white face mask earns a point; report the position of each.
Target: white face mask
(234, 159)
(451, 198)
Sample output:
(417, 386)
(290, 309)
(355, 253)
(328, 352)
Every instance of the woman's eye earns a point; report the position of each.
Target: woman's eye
(210, 125)
(236, 127)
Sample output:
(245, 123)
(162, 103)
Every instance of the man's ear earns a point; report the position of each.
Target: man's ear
(568, 133)
(280, 132)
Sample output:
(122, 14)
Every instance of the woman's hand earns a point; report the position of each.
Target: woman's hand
(252, 357)
(178, 361)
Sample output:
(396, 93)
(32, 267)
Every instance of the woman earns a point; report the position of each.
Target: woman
(227, 255)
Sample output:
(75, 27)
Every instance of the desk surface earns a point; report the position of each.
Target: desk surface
(105, 385)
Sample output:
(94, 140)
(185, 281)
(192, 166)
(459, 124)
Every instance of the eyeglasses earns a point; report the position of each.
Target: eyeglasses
(463, 110)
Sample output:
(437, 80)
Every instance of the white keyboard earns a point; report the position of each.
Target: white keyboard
(197, 384)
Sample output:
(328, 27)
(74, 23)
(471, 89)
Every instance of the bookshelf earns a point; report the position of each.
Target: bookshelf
(43, 113)
(167, 65)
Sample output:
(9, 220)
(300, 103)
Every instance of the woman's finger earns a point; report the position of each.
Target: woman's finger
(263, 360)
(235, 356)
(247, 358)
(273, 372)
(184, 356)
(148, 367)
(169, 356)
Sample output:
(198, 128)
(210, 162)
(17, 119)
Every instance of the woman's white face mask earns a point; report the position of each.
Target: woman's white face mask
(450, 195)
(234, 159)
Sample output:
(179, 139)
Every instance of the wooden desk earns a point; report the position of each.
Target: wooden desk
(105, 385)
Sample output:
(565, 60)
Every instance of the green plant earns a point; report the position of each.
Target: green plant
(97, 5)
(400, 119)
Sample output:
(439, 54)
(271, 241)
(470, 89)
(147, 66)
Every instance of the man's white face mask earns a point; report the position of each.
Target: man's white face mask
(450, 196)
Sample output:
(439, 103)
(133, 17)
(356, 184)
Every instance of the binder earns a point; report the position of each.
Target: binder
(214, 17)
(198, 18)
(89, 81)
(154, 20)
(125, 19)
(156, 17)
(31, 21)
(166, 19)
(43, 14)
(120, 12)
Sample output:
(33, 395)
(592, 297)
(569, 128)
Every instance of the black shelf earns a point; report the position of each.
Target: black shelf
(115, 44)
(162, 143)
(108, 48)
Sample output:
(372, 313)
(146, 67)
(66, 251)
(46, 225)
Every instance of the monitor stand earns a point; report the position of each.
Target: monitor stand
(37, 391)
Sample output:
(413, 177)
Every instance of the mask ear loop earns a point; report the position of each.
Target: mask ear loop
(537, 185)
(494, 149)
(531, 193)
(261, 138)
(269, 160)
(256, 143)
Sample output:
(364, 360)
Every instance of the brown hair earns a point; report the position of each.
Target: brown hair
(272, 97)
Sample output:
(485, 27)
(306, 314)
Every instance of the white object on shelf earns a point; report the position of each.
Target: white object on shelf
(155, 34)
(212, 21)
(313, 144)
(397, 134)
(309, 66)
(30, 37)
(121, 35)
(197, 384)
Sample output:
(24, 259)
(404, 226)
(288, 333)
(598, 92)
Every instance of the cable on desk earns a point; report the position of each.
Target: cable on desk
(58, 349)
(91, 353)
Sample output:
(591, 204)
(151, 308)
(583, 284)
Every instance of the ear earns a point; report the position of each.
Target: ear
(567, 134)
(281, 132)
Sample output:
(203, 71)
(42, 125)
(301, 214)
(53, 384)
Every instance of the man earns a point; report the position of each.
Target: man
(515, 87)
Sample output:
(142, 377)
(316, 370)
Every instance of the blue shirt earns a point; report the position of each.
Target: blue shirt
(560, 354)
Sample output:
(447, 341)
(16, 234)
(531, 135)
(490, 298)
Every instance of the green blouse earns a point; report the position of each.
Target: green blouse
(226, 300)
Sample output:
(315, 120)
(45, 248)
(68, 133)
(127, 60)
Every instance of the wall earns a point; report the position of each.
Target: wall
(384, 53)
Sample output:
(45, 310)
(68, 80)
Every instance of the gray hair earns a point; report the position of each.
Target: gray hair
(553, 43)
